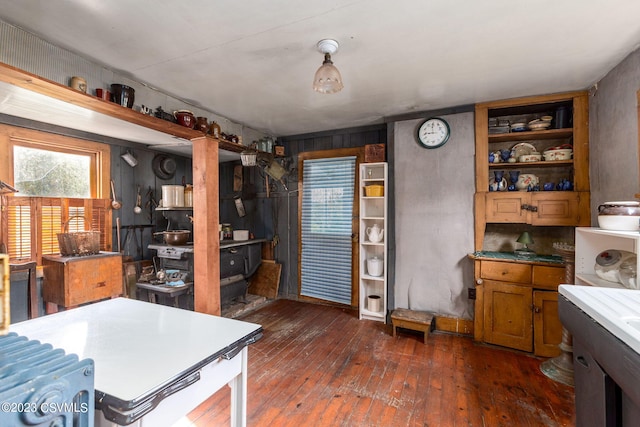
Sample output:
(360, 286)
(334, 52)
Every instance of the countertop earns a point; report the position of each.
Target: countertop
(60, 258)
(224, 244)
(512, 257)
(617, 310)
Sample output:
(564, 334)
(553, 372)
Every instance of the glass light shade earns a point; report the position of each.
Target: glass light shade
(327, 78)
(525, 238)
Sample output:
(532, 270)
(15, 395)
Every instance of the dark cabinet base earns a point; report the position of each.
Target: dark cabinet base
(606, 372)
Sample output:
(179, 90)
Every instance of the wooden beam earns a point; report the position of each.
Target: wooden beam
(206, 219)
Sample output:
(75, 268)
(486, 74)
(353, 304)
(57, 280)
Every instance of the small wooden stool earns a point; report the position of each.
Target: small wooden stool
(413, 320)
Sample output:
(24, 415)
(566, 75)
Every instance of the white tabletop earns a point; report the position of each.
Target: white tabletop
(137, 347)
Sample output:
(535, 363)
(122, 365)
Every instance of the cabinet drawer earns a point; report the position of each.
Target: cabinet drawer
(548, 277)
(506, 272)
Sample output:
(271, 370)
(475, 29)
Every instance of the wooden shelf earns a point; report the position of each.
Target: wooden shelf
(32, 97)
(518, 165)
(531, 135)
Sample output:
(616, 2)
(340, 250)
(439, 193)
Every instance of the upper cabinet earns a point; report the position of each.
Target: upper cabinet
(532, 159)
(31, 97)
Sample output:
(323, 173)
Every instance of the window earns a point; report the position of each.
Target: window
(61, 182)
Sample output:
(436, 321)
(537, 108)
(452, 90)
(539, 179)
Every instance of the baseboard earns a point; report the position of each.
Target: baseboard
(454, 325)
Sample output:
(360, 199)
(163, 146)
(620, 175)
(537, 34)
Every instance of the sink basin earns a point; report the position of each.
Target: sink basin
(80, 243)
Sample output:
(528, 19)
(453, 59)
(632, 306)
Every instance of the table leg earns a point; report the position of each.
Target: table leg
(239, 394)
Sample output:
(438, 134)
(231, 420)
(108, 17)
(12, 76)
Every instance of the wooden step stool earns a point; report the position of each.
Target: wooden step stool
(410, 319)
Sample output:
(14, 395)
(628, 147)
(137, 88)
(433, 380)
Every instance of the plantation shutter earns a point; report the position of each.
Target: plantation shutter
(327, 211)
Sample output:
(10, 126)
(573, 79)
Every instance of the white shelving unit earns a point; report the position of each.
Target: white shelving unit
(373, 211)
(590, 242)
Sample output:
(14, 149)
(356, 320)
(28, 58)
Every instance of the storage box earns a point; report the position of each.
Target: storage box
(374, 190)
(374, 153)
(279, 150)
(240, 234)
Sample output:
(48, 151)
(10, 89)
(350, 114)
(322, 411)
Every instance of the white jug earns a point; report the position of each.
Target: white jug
(375, 233)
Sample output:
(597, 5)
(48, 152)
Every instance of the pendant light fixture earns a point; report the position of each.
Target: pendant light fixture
(327, 78)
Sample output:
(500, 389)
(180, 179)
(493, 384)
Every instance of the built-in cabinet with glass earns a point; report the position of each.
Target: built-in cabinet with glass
(373, 241)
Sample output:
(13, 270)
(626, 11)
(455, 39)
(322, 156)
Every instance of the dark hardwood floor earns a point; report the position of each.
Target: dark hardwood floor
(321, 366)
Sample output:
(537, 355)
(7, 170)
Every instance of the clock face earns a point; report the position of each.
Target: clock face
(433, 133)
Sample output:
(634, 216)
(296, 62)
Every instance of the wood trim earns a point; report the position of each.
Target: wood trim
(12, 135)
(34, 83)
(454, 325)
(538, 99)
(355, 257)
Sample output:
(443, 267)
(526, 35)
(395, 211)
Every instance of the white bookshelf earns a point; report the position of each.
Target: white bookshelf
(373, 211)
(590, 241)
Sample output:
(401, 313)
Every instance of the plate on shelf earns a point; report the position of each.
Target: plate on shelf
(523, 149)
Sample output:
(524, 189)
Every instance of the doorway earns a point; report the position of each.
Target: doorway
(328, 224)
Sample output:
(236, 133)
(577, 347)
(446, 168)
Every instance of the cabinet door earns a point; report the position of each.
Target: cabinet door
(507, 206)
(555, 208)
(507, 315)
(546, 324)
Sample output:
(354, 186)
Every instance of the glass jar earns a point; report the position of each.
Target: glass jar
(608, 264)
(227, 231)
(627, 273)
(188, 196)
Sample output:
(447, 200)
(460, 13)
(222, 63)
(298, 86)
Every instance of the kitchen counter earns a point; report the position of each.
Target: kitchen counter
(224, 244)
(605, 325)
(60, 258)
(617, 310)
(512, 257)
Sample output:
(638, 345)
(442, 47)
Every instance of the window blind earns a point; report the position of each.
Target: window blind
(326, 228)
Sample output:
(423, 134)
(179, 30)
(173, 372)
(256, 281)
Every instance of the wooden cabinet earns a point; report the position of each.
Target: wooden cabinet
(373, 241)
(538, 208)
(71, 281)
(516, 305)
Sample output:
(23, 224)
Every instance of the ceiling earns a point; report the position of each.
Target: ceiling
(253, 61)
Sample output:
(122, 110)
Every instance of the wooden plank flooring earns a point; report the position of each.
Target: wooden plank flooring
(321, 366)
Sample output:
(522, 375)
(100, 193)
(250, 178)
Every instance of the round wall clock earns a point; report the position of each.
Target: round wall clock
(433, 133)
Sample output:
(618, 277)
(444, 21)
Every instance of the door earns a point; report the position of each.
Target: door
(328, 221)
(507, 315)
(546, 324)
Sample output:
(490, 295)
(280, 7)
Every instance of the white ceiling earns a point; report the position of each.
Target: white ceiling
(253, 61)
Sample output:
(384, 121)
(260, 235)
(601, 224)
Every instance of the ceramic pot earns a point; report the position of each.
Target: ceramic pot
(185, 118)
(202, 124)
(527, 180)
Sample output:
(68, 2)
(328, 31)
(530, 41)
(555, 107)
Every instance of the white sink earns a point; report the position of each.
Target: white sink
(617, 310)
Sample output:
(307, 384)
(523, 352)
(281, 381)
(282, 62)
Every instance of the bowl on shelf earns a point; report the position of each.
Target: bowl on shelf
(559, 154)
(518, 127)
(620, 216)
(539, 125)
(533, 157)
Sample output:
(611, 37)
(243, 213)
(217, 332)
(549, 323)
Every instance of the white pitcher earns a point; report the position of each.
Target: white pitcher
(375, 233)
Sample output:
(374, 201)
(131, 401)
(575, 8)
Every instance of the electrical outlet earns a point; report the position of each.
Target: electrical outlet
(471, 293)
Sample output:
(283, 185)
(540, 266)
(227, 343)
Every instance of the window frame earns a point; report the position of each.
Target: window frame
(100, 153)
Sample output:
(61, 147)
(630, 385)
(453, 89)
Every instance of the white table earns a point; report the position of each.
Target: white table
(154, 364)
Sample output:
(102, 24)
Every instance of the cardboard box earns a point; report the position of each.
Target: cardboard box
(374, 153)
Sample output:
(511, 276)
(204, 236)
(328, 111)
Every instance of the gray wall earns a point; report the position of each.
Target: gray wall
(613, 133)
(433, 193)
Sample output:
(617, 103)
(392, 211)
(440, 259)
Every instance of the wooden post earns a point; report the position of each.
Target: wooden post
(206, 220)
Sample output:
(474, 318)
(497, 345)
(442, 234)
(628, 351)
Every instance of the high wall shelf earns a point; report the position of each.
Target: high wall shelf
(373, 212)
(591, 241)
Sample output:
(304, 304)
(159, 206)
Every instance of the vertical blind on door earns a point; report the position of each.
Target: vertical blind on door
(327, 211)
